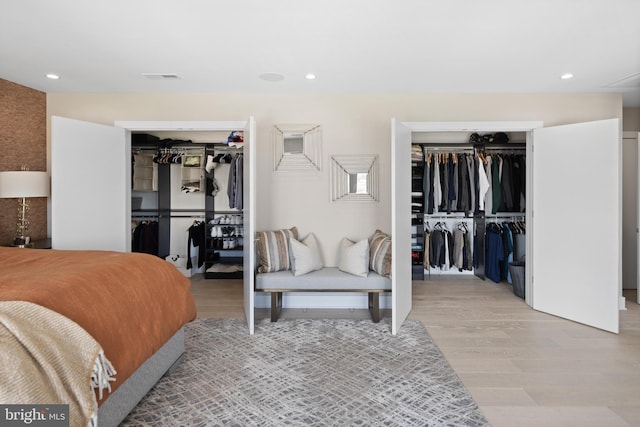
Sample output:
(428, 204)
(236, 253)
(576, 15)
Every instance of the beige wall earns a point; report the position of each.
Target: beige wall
(22, 142)
(351, 124)
(631, 119)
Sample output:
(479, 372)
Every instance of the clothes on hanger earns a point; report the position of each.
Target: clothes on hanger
(494, 252)
(472, 183)
(145, 237)
(197, 239)
(234, 186)
(505, 242)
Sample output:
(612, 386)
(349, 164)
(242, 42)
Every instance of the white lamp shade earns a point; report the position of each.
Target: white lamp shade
(16, 184)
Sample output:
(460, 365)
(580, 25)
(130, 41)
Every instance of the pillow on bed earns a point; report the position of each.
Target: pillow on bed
(353, 257)
(273, 249)
(305, 255)
(380, 253)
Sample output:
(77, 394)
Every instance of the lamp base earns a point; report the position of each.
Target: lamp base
(22, 241)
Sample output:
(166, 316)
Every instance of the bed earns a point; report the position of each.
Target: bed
(132, 306)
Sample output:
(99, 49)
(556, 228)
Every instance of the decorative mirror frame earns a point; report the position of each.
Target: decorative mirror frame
(342, 166)
(308, 160)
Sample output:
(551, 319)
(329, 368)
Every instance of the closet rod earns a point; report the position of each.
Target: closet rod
(504, 219)
(180, 149)
(505, 215)
(450, 149)
(503, 147)
(228, 150)
(429, 216)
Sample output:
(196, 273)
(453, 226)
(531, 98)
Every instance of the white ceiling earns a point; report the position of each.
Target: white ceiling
(446, 46)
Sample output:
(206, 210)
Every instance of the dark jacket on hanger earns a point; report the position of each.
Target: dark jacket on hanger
(196, 236)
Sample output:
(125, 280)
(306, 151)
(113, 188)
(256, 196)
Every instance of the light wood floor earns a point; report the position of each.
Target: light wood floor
(523, 367)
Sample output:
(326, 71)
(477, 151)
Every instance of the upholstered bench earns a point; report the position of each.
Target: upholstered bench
(326, 279)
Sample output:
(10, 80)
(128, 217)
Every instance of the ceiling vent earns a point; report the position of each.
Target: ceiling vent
(629, 82)
(161, 76)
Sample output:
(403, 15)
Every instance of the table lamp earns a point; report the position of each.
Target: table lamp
(23, 185)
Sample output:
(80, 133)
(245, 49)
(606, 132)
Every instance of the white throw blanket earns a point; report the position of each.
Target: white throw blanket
(47, 358)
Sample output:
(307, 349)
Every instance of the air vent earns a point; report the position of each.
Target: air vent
(161, 76)
(629, 82)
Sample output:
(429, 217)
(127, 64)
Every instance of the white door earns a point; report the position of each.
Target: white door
(400, 224)
(576, 222)
(249, 203)
(90, 181)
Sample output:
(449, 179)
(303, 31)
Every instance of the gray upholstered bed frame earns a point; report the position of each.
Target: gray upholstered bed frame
(126, 397)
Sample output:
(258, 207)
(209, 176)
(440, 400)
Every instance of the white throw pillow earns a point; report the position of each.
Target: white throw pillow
(354, 257)
(305, 255)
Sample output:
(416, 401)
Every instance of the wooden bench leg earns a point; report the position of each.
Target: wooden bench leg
(276, 305)
(374, 306)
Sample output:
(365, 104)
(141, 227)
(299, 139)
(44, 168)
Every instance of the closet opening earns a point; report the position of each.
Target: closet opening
(468, 206)
(186, 200)
(582, 284)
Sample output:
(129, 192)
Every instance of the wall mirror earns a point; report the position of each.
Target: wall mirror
(297, 147)
(354, 178)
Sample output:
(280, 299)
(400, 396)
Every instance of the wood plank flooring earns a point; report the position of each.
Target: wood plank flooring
(523, 367)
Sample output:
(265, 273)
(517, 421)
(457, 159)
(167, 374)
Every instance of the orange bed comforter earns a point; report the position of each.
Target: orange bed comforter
(130, 303)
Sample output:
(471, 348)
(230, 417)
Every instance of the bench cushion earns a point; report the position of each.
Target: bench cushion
(325, 279)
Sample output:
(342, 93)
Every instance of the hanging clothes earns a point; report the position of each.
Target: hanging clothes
(483, 184)
(506, 273)
(234, 186)
(468, 252)
(506, 184)
(451, 181)
(426, 182)
(426, 262)
(430, 192)
(437, 189)
(145, 238)
(496, 193)
(197, 239)
(458, 248)
(519, 240)
(464, 188)
(444, 182)
(488, 198)
(494, 252)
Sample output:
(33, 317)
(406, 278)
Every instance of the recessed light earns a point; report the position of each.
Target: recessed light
(271, 77)
(310, 76)
(160, 76)
(53, 76)
(566, 76)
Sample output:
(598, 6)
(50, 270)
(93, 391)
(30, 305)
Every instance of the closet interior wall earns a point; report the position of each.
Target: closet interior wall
(452, 226)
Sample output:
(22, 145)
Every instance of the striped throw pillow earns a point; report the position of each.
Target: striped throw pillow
(273, 249)
(380, 253)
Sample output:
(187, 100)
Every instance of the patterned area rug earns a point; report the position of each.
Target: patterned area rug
(308, 373)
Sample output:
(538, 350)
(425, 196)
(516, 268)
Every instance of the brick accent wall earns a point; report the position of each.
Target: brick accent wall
(23, 141)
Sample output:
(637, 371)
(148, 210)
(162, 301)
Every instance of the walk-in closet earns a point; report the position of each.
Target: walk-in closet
(564, 168)
(468, 205)
(186, 200)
